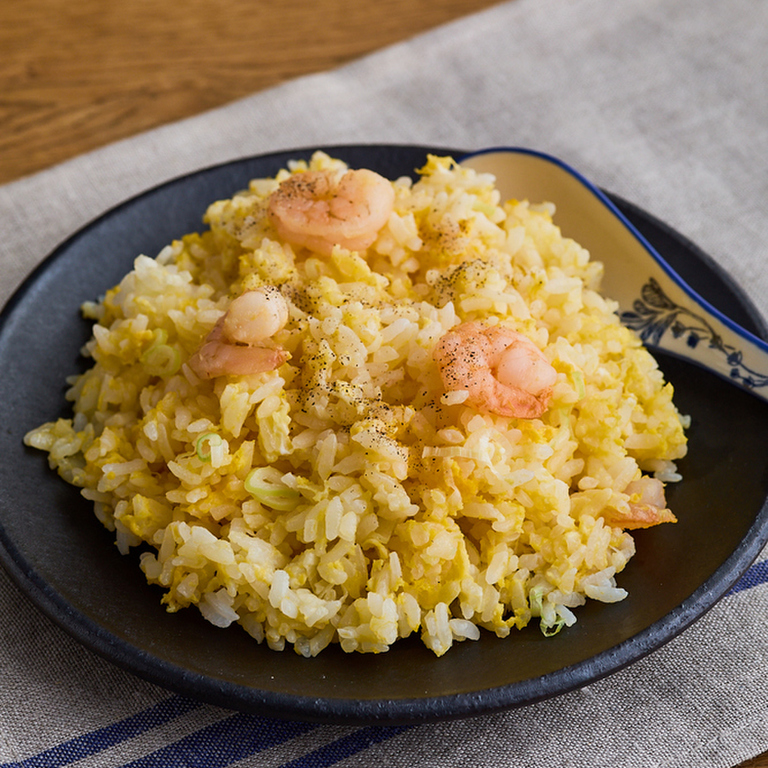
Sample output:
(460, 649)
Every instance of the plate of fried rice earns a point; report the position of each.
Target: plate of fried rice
(340, 435)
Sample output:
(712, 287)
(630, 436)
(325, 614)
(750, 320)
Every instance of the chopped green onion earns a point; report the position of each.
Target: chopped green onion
(535, 598)
(578, 381)
(485, 208)
(536, 601)
(265, 485)
(552, 629)
(161, 359)
(211, 438)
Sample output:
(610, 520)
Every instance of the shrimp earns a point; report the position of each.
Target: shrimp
(255, 315)
(503, 371)
(648, 508)
(239, 345)
(319, 209)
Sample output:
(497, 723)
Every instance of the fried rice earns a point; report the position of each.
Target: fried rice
(346, 497)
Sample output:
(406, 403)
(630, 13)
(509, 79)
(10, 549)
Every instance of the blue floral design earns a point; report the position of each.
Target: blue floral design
(655, 314)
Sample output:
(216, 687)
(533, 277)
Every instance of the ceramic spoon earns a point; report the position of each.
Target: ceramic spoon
(653, 299)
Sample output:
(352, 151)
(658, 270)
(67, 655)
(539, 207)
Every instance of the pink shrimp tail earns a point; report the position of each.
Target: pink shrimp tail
(216, 359)
(649, 510)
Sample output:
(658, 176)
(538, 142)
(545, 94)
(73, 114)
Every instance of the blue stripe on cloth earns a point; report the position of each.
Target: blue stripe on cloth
(109, 736)
(755, 575)
(223, 743)
(346, 747)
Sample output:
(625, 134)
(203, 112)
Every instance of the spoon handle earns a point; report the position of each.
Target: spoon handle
(652, 298)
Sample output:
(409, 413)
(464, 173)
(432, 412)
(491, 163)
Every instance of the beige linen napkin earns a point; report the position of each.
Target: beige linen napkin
(660, 101)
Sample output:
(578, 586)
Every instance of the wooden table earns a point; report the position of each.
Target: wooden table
(75, 76)
(78, 75)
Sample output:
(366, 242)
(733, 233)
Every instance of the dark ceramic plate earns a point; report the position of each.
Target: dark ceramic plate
(63, 559)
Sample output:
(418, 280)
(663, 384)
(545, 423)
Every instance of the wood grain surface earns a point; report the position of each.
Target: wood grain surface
(77, 75)
(80, 74)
